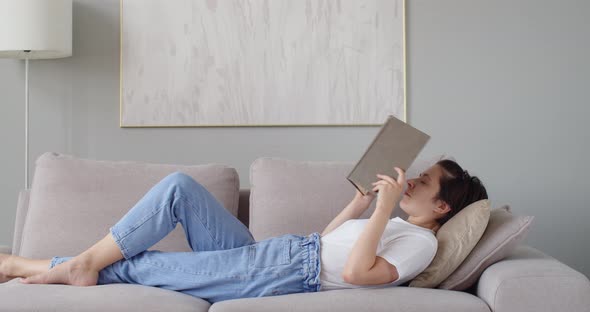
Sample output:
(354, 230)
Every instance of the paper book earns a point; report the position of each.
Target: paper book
(396, 144)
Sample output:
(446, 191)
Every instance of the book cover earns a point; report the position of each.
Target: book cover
(397, 144)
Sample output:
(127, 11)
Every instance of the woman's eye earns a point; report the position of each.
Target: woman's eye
(422, 182)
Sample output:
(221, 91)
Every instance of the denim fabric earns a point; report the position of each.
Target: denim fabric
(226, 261)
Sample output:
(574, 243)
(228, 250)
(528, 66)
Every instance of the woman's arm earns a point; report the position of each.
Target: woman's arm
(353, 210)
(362, 257)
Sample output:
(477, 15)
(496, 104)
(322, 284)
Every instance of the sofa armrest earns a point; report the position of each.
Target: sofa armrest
(5, 249)
(530, 280)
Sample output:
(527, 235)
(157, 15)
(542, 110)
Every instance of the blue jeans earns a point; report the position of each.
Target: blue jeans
(226, 261)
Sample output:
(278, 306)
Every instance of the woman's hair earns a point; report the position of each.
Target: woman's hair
(457, 188)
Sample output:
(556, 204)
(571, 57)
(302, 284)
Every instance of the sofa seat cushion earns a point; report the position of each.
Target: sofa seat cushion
(74, 201)
(113, 297)
(399, 299)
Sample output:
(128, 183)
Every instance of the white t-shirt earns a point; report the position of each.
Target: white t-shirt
(409, 247)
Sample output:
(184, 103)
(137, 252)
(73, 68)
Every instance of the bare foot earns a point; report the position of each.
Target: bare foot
(12, 266)
(5, 268)
(71, 272)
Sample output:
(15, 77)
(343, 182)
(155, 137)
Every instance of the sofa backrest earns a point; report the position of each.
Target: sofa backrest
(23, 207)
(21, 213)
(277, 205)
(73, 201)
(301, 197)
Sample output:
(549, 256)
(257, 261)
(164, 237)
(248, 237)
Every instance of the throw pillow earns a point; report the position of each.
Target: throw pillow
(503, 233)
(456, 238)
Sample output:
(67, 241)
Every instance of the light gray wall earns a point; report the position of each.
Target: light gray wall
(500, 85)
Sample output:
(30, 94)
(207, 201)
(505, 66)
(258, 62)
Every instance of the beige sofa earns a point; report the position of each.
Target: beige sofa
(73, 201)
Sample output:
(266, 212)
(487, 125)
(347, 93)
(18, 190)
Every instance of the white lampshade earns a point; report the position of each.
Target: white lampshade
(42, 26)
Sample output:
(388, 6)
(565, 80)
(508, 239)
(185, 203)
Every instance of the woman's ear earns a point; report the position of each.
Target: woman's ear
(442, 207)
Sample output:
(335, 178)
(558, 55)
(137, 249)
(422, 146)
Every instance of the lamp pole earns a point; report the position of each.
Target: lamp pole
(27, 119)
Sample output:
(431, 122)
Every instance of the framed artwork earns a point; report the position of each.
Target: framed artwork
(204, 63)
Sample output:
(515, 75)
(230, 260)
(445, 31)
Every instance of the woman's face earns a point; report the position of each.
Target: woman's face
(417, 199)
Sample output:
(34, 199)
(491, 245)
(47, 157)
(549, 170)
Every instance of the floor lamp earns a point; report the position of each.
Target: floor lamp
(34, 29)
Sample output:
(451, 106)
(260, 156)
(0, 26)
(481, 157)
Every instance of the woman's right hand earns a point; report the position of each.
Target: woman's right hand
(390, 189)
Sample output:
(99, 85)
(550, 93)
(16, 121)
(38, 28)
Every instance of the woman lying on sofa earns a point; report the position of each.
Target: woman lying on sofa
(226, 261)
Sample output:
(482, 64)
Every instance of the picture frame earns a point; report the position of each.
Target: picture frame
(260, 63)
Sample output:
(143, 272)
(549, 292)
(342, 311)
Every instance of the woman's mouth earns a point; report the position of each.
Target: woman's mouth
(406, 193)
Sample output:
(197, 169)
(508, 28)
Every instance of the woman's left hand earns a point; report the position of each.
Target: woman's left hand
(389, 189)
